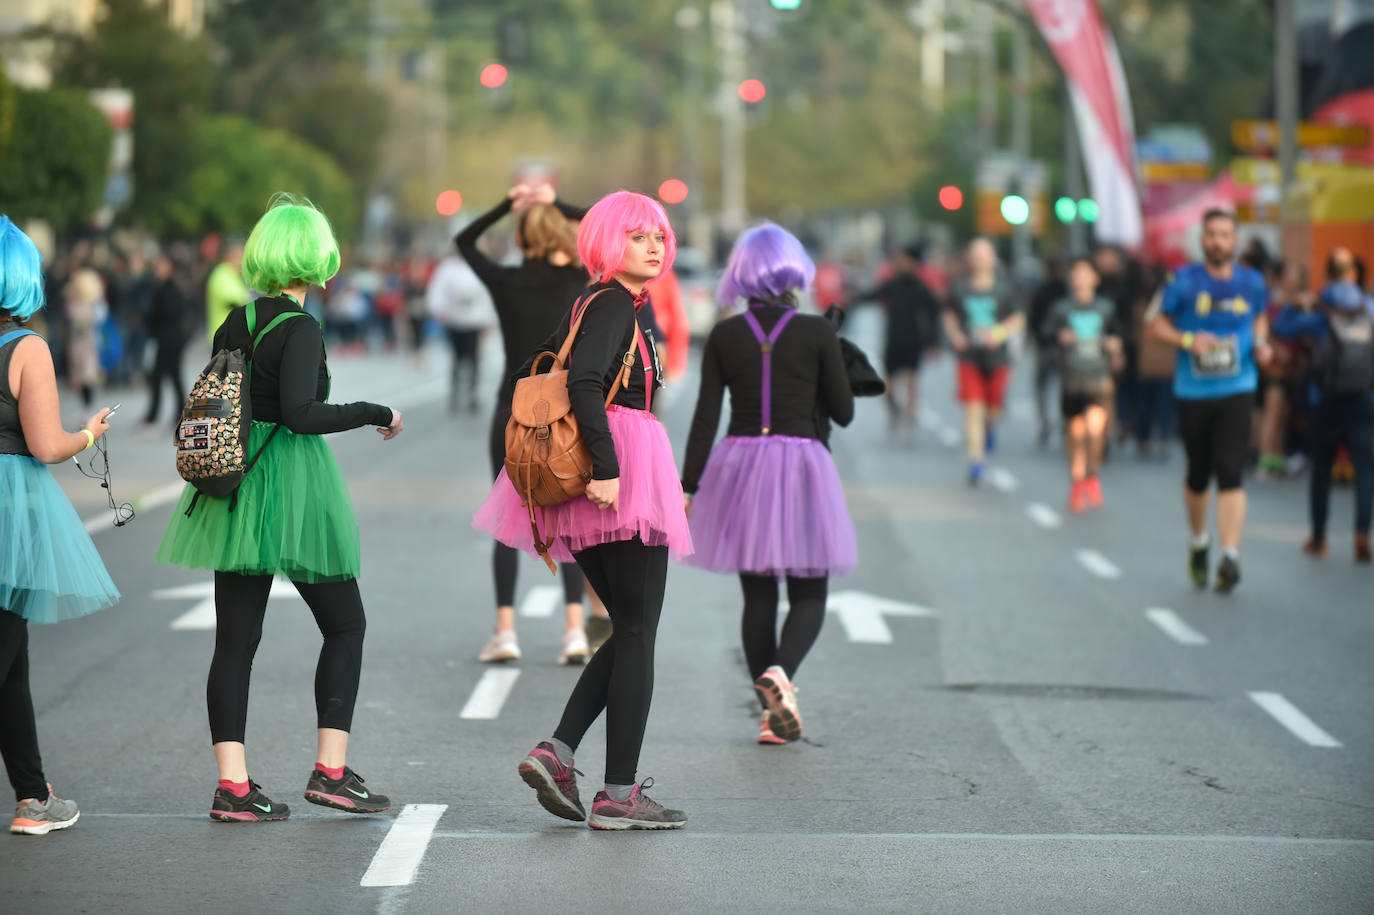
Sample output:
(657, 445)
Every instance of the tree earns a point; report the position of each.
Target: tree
(57, 159)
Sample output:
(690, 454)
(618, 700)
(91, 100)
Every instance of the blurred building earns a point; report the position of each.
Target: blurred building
(26, 28)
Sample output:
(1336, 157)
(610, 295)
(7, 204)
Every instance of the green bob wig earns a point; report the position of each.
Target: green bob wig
(291, 244)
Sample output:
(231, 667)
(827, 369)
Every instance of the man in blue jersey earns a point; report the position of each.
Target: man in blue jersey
(1214, 313)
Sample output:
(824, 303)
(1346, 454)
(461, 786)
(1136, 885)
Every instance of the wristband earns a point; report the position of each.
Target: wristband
(90, 439)
(1187, 340)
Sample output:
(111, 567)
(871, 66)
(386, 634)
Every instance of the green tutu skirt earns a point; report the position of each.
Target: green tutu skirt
(293, 517)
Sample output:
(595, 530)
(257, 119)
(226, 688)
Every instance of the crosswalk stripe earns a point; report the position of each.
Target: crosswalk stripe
(399, 855)
(490, 694)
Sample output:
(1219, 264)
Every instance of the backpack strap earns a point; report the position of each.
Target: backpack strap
(15, 335)
(627, 361)
(766, 343)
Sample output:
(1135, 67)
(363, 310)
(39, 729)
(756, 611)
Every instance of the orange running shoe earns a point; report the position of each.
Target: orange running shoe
(766, 736)
(1078, 497)
(1093, 485)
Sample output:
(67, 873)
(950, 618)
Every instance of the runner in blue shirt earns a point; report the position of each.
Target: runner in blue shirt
(1214, 313)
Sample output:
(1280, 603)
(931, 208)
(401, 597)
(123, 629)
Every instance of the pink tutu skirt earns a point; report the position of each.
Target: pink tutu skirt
(650, 506)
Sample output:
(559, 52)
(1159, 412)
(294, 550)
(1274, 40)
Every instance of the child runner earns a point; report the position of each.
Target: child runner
(769, 502)
(49, 568)
(293, 517)
(621, 532)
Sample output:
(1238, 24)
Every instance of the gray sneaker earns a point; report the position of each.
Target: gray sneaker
(38, 818)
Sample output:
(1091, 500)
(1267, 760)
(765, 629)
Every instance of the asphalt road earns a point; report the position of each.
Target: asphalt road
(1010, 709)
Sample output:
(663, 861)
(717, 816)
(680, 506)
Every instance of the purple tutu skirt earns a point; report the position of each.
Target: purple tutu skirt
(772, 505)
(650, 506)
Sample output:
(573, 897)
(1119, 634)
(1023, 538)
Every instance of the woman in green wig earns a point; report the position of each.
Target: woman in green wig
(291, 516)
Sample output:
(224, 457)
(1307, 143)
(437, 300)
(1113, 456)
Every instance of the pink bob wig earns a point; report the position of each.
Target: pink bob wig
(601, 237)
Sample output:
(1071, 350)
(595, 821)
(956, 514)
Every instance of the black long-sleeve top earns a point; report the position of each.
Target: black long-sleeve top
(528, 298)
(290, 376)
(912, 312)
(603, 339)
(167, 315)
(808, 372)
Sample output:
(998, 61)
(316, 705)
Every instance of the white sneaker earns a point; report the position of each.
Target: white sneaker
(502, 647)
(575, 647)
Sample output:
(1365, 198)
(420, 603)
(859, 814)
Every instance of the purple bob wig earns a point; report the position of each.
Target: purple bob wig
(767, 263)
(602, 234)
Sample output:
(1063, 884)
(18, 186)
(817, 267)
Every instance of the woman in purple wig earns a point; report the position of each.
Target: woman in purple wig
(766, 502)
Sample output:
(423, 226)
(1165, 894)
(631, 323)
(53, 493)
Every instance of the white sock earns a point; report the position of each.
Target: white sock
(1231, 553)
(1199, 541)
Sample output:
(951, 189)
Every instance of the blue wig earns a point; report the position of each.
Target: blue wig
(768, 262)
(21, 273)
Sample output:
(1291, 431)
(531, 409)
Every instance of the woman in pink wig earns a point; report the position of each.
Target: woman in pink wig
(621, 532)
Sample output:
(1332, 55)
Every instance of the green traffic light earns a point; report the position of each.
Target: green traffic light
(1015, 209)
(1088, 210)
(1066, 209)
(786, 4)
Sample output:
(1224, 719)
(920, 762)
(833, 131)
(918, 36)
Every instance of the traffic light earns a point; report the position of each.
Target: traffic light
(786, 4)
(752, 91)
(448, 203)
(672, 191)
(493, 76)
(951, 198)
(1066, 209)
(1015, 209)
(1088, 210)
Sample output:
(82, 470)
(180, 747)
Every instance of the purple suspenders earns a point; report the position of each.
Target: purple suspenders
(766, 345)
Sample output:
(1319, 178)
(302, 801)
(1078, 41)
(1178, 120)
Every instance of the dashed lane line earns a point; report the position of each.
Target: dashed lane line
(1292, 718)
(490, 694)
(1003, 480)
(1044, 516)
(163, 495)
(949, 437)
(403, 849)
(1098, 564)
(1174, 627)
(540, 602)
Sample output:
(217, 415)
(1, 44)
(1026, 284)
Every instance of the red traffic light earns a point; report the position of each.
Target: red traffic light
(752, 90)
(672, 191)
(448, 202)
(951, 198)
(493, 76)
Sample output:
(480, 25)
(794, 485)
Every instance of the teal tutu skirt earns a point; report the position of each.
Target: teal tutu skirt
(293, 517)
(49, 568)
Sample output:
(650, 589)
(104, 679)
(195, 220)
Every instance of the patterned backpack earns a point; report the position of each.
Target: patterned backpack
(212, 437)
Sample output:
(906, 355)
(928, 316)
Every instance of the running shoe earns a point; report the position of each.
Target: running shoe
(638, 811)
(1315, 547)
(253, 807)
(1093, 486)
(975, 473)
(766, 735)
(599, 629)
(1362, 553)
(1228, 575)
(1078, 497)
(556, 783)
(346, 793)
(779, 697)
(502, 647)
(575, 648)
(1197, 565)
(38, 818)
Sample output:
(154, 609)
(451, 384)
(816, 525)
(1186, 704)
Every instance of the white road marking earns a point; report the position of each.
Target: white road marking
(202, 615)
(1174, 626)
(862, 614)
(930, 421)
(1043, 515)
(404, 847)
(490, 694)
(541, 602)
(949, 437)
(1291, 717)
(1098, 564)
(163, 495)
(1002, 479)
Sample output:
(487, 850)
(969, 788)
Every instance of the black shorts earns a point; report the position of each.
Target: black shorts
(1216, 438)
(1076, 404)
(902, 359)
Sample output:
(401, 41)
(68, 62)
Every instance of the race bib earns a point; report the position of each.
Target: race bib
(1221, 362)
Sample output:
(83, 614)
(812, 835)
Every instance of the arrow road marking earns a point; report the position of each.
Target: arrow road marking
(1043, 515)
(541, 602)
(401, 851)
(1174, 626)
(862, 614)
(1291, 717)
(1098, 564)
(490, 694)
(202, 615)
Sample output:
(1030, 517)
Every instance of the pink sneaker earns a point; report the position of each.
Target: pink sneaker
(779, 696)
(766, 735)
(556, 783)
(638, 811)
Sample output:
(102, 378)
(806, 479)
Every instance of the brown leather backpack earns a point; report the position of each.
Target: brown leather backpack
(546, 459)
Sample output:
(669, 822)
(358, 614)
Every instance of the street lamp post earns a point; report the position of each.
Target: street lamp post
(730, 37)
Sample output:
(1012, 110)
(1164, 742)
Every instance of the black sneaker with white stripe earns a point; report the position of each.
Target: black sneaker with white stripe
(347, 793)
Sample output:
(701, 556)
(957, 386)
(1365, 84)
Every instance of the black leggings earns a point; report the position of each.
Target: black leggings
(240, 603)
(1337, 421)
(505, 560)
(630, 578)
(762, 648)
(464, 346)
(1216, 437)
(18, 733)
